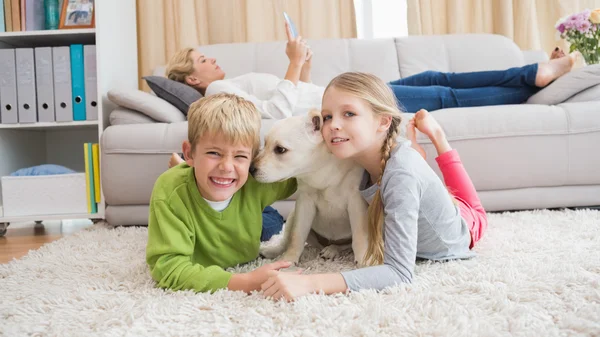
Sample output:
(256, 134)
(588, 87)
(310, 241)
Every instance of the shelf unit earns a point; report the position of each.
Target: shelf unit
(29, 144)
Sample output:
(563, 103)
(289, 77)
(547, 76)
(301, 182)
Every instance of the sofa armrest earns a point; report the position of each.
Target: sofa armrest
(120, 116)
(534, 56)
(148, 104)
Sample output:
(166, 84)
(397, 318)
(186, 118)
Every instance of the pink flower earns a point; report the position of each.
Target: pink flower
(561, 28)
(584, 26)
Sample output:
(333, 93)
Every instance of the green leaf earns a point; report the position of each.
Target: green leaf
(572, 48)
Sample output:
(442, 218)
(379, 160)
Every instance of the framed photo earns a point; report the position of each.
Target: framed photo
(77, 14)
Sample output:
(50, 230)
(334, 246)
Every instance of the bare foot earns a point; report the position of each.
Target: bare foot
(553, 69)
(175, 160)
(411, 134)
(425, 123)
(557, 53)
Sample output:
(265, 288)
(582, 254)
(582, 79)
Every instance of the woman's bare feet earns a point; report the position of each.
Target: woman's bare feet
(175, 160)
(557, 53)
(555, 68)
(425, 123)
(411, 134)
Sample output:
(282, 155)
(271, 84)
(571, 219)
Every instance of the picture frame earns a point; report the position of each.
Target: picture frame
(77, 14)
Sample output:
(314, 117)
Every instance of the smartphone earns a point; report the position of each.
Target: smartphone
(291, 24)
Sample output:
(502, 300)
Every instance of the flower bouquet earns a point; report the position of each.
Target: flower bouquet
(582, 31)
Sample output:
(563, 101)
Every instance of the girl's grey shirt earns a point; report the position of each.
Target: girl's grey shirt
(420, 221)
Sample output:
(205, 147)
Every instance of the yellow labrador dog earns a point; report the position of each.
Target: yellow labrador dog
(328, 200)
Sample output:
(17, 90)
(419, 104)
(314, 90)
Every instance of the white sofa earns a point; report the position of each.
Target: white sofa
(518, 156)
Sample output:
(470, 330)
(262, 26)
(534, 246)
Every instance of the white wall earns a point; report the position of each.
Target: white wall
(116, 49)
(381, 18)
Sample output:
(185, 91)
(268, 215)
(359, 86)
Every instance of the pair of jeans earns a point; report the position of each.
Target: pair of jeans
(272, 223)
(432, 90)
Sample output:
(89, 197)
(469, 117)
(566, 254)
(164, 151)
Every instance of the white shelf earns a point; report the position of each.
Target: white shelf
(57, 37)
(49, 125)
(32, 218)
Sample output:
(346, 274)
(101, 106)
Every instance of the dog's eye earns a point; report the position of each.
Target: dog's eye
(280, 150)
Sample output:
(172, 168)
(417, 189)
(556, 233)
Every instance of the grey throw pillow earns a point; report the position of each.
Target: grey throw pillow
(179, 94)
(567, 86)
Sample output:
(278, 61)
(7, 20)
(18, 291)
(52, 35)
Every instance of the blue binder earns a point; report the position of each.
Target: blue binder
(2, 24)
(78, 82)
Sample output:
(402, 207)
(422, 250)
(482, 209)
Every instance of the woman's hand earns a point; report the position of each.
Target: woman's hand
(296, 48)
(288, 285)
(306, 67)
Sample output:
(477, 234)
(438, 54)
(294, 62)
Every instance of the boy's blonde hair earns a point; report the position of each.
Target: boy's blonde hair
(180, 65)
(235, 118)
(382, 101)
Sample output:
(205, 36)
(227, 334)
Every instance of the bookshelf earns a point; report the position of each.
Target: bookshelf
(30, 144)
(51, 38)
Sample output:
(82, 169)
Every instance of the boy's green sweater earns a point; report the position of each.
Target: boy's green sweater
(189, 243)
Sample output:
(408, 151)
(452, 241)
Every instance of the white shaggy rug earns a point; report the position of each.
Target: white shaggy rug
(536, 274)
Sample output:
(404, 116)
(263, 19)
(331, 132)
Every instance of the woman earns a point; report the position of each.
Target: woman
(296, 95)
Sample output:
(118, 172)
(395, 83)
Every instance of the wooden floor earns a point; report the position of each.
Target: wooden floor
(22, 237)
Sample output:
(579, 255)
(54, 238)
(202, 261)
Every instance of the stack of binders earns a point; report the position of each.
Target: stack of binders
(91, 156)
(48, 84)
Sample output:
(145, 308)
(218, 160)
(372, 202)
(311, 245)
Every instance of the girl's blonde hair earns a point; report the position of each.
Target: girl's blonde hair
(383, 102)
(232, 116)
(180, 65)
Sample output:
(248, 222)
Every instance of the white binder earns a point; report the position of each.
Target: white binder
(63, 100)
(8, 87)
(26, 96)
(44, 80)
(91, 83)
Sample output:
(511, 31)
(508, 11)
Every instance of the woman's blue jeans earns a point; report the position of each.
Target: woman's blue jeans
(432, 90)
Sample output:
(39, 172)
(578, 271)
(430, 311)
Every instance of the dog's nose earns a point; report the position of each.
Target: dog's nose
(252, 169)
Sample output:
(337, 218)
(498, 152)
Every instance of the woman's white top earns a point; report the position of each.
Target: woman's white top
(274, 97)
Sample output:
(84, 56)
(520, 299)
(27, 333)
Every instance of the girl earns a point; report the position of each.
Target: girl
(411, 213)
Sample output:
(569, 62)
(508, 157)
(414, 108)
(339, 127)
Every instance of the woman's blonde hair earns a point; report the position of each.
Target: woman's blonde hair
(180, 65)
(383, 102)
(230, 115)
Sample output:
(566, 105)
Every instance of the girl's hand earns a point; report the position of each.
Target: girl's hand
(287, 285)
(296, 48)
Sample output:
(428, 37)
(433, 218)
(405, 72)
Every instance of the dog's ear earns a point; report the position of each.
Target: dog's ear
(316, 119)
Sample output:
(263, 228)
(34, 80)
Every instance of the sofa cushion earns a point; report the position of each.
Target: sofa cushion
(567, 86)
(178, 94)
(150, 105)
(126, 116)
(457, 53)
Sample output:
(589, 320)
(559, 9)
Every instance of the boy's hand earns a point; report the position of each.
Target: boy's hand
(261, 274)
(252, 280)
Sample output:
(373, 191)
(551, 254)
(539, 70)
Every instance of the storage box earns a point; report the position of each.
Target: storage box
(44, 195)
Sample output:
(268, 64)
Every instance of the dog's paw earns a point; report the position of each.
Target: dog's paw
(330, 252)
(292, 257)
(270, 252)
(360, 253)
(359, 263)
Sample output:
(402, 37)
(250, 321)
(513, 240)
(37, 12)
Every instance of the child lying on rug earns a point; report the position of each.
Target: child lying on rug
(205, 214)
(411, 213)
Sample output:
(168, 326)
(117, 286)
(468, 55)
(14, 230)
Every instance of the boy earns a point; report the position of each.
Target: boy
(205, 214)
